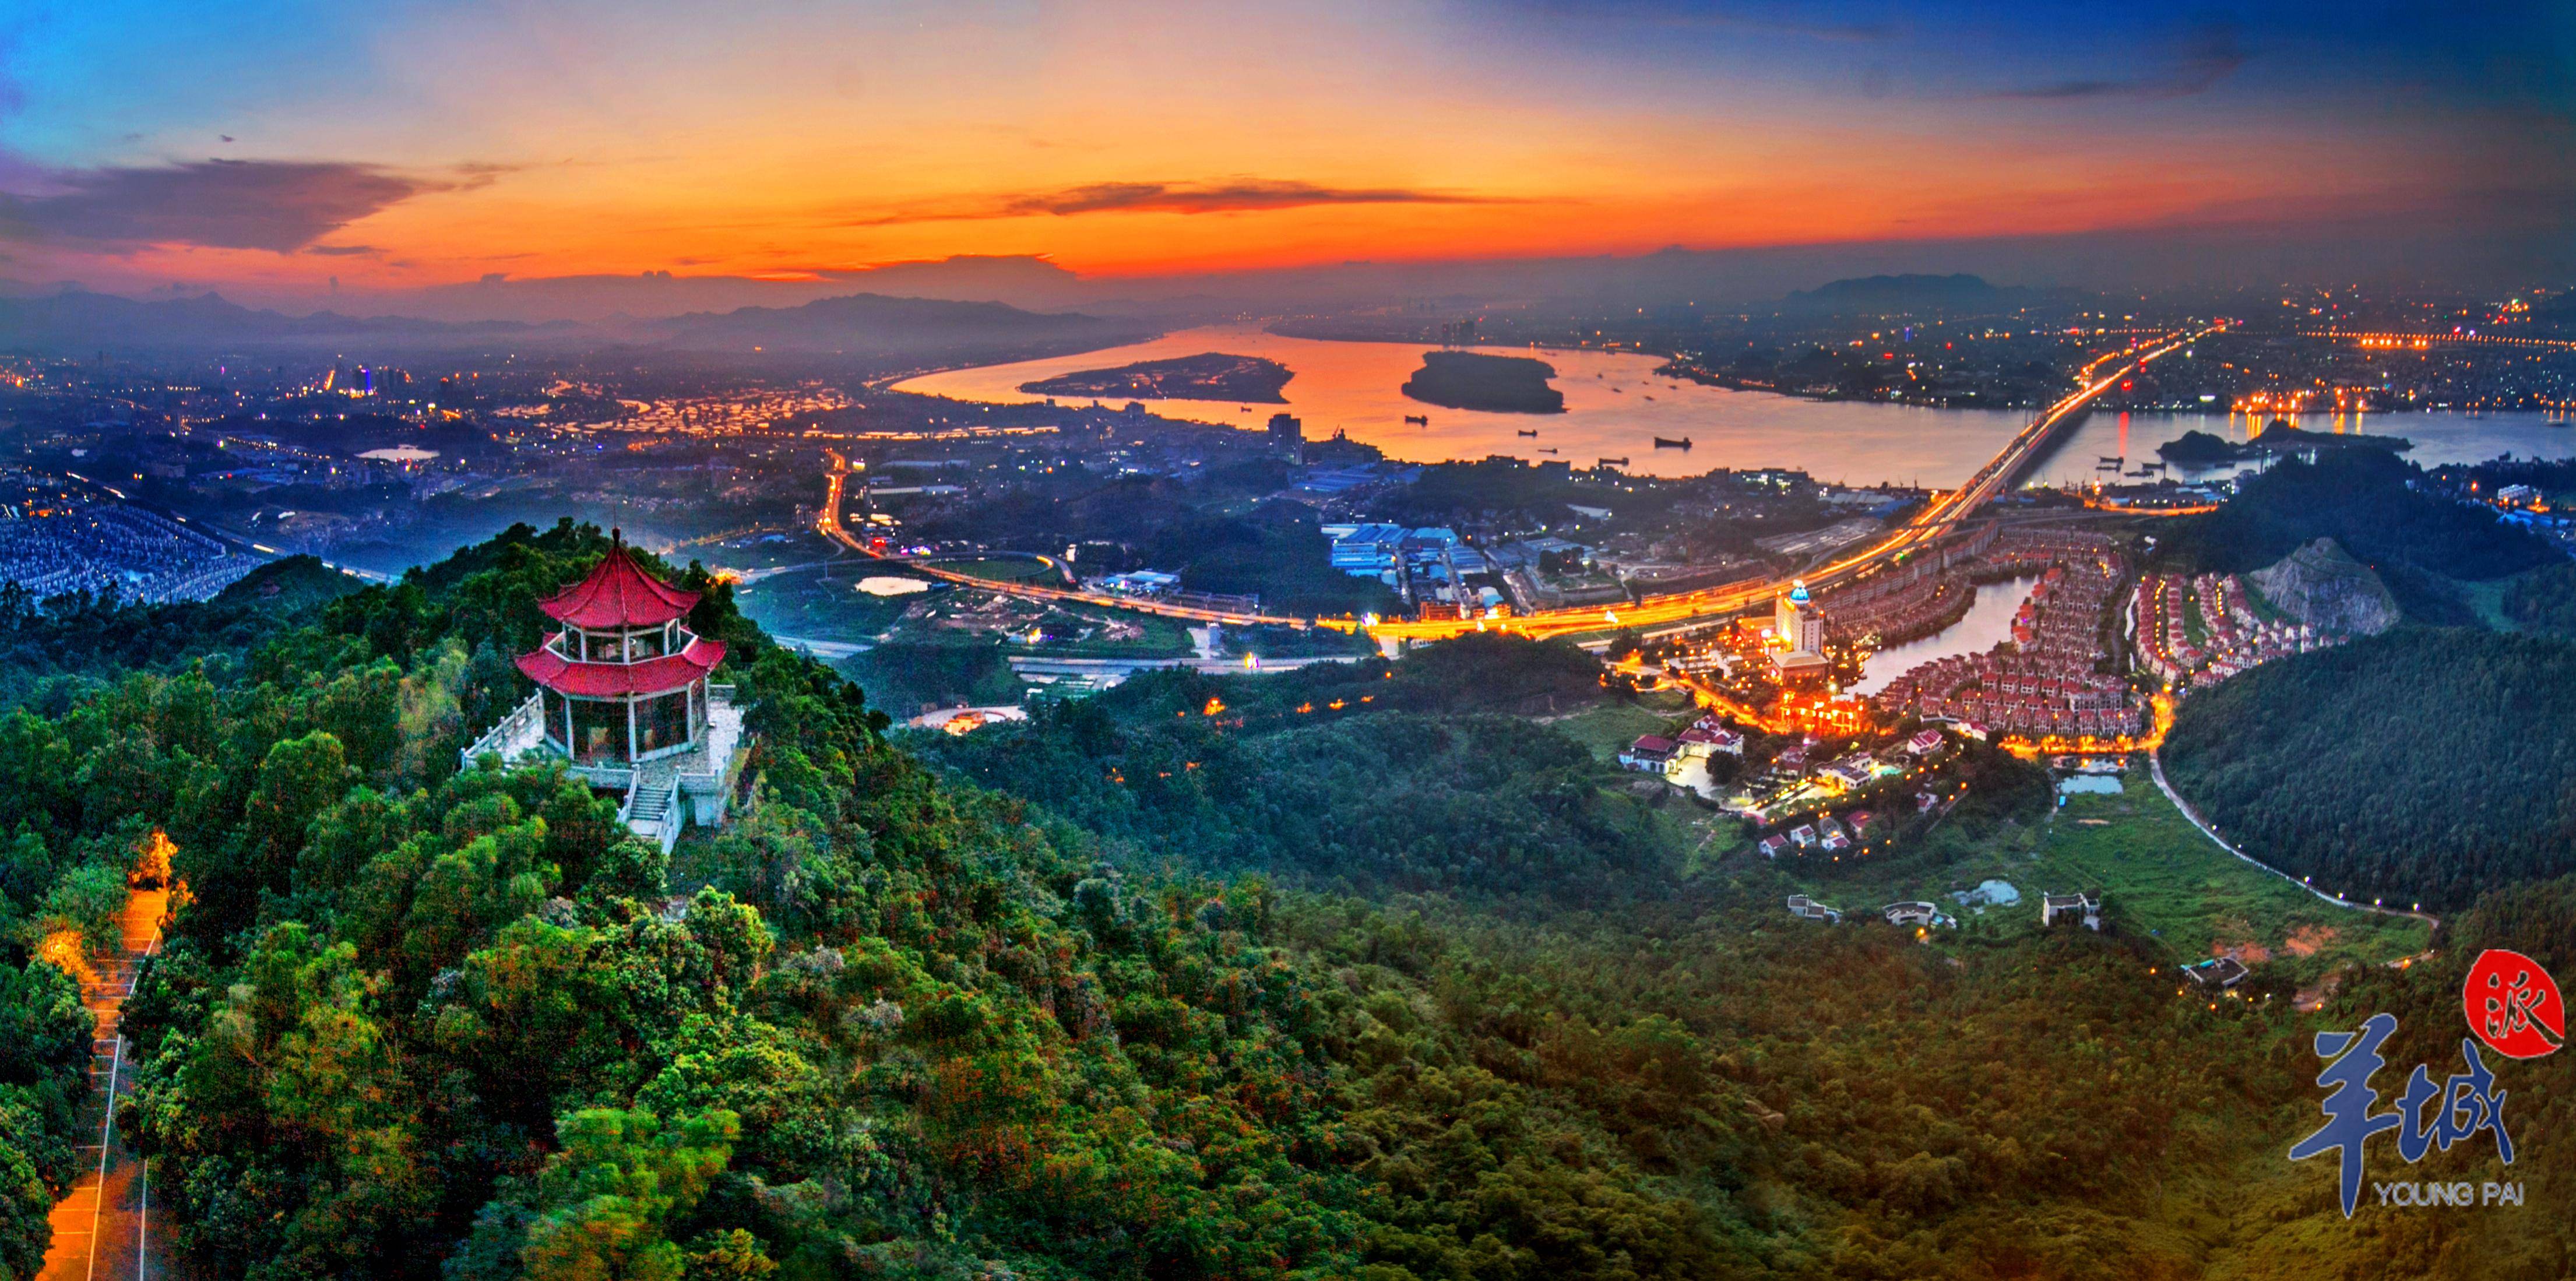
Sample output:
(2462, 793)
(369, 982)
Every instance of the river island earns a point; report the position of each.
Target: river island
(1206, 376)
(1496, 384)
(2201, 449)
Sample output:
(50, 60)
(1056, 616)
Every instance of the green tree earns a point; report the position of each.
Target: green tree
(606, 1202)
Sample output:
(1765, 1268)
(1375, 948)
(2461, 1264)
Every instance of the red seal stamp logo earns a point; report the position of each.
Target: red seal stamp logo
(2513, 1005)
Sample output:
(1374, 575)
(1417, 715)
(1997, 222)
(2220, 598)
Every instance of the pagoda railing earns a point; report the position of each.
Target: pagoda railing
(670, 833)
(523, 719)
(706, 790)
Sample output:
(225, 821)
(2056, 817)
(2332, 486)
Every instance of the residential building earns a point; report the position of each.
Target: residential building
(2084, 906)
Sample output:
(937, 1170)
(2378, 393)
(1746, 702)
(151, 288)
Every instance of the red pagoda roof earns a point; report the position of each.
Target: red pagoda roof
(611, 680)
(619, 594)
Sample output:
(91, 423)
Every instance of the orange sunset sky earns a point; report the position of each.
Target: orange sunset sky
(289, 150)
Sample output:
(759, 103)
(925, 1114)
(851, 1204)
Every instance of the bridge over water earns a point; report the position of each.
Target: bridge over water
(1938, 520)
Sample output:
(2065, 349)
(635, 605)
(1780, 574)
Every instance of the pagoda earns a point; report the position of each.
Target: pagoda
(623, 696)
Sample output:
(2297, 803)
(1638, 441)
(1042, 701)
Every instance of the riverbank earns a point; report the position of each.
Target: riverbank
(1674, 367)
(1616, 404)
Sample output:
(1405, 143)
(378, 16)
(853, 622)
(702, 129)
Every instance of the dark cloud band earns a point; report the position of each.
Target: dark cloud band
(1245, 196)
(275, 205)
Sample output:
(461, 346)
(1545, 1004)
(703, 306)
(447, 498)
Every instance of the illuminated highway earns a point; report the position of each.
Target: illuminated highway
(1937, 520)
(2419, 342)
(829, 525)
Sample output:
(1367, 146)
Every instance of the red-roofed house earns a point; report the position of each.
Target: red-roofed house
(1705, 740)
(1648, 753)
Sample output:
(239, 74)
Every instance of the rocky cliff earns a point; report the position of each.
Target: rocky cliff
(2323, 586)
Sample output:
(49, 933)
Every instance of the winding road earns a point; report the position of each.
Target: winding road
(2156, 763)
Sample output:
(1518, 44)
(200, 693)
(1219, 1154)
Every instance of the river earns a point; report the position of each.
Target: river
(1987, 623)
(1615, 407)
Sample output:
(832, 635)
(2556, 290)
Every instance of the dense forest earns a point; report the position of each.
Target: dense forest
(1275, 551)
(2544, 600)
(905, 676)
(1485, 1020)
(1215, 531)
(2420, 543)
(1365, 775)
(2424, 764)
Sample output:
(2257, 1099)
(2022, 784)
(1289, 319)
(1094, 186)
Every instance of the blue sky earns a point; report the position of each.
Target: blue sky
(283, 146)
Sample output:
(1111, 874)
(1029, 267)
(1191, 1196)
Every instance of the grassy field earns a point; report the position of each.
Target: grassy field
(1289, 642)
(1011, 569)
(2164, 876)
(1612, 726)
(1160, 637)
(798, 546)
(2161, 878)
(2486, 599)
(2195, 629)
(819, 604)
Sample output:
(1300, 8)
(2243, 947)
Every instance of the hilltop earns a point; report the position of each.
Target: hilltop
(2421, 545)
(2323, 586)
(1371, 969)
(881, 325)
(1909, 292)
(289, 584)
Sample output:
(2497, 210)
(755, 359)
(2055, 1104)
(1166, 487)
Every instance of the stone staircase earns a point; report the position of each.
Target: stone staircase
(651, 804)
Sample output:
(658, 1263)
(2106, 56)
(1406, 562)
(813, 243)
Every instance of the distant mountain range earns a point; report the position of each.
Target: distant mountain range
(877, 325)
(868, 325)
(76, 321)
(1908, 293)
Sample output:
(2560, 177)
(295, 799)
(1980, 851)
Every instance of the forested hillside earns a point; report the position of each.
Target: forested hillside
(2420, 765)
(419, 1022)
(2418, 542)
(2544, 600)
(1364, 776)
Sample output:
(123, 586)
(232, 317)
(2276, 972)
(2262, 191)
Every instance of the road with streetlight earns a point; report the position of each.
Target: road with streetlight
(1939, 518)
(2155, 762)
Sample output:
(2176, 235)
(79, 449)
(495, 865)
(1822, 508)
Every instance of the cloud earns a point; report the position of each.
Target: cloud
(1717, 14)
(1238, 196)
(278, 205)
(2208, 55)
(1038, 264)
(340, 251)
